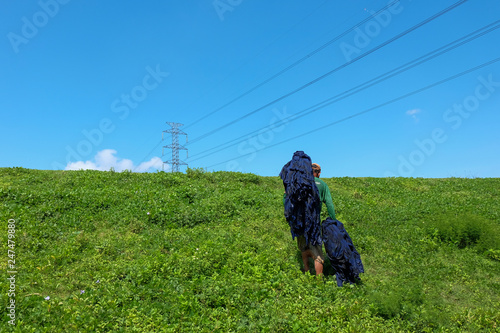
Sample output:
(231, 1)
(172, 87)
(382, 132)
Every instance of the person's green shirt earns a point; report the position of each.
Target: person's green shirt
(325, 196)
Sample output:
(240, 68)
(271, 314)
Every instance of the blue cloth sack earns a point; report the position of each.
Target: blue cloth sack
(302, 203)
(343, 256)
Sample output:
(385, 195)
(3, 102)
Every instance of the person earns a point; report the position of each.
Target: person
(324, 191)
(315, 252)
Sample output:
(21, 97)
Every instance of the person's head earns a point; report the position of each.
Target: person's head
(316, 169)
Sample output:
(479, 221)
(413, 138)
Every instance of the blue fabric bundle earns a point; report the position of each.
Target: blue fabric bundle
(344, 258)
(302, 203)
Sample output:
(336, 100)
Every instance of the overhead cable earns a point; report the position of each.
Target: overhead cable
(429, 19)
(307, 56)
(396, 71)
(366, 111)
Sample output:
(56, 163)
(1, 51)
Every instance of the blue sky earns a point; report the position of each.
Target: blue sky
(92, 84)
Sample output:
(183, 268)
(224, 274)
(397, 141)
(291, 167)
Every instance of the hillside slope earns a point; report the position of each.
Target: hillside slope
(105, 251)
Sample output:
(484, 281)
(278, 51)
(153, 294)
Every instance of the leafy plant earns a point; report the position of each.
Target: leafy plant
(211, 251)
(468, 230)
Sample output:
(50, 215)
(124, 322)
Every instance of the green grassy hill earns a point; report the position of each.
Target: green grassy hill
(203, 252)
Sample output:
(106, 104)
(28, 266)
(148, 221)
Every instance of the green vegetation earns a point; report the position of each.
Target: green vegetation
(204, 252)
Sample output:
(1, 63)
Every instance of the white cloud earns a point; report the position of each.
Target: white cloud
(107, 159)
(413, 113)
(154, 163)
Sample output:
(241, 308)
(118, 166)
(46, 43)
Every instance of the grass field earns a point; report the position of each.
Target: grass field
(203, 252)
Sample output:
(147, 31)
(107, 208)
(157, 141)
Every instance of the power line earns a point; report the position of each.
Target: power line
(262, 51)
(295, 63)
(329, 73)
(407, 66)
(367, 110)
(429, 19)
(291, 66)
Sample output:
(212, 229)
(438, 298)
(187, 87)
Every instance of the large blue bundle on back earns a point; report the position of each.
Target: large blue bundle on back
(340, 250)
(302, 203)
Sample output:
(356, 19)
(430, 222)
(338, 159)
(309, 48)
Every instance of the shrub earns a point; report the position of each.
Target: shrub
(467, 230)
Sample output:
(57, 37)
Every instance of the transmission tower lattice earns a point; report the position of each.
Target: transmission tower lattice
(175, 146)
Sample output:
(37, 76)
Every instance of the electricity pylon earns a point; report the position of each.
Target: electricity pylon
(175, 146)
